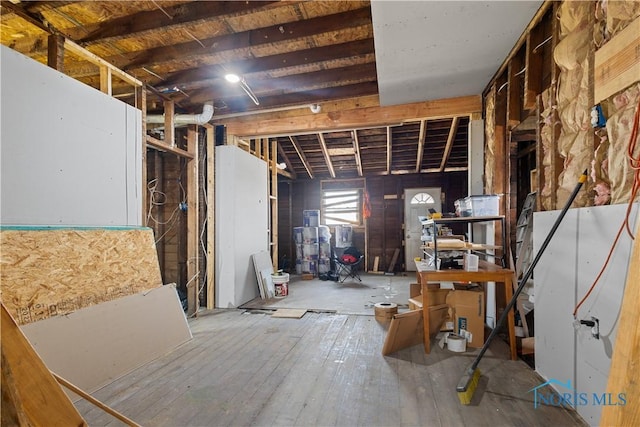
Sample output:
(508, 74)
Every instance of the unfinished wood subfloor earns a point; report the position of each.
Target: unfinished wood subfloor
(245, 368)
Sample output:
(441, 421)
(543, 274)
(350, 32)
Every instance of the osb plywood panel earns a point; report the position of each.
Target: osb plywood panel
(54, 271)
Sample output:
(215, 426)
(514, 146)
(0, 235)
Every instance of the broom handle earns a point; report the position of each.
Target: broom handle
(529, 271)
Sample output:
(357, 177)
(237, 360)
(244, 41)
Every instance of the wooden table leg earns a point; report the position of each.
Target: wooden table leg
(511, 321)
(425, 316)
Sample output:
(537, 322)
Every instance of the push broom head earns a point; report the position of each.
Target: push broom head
(467, 385)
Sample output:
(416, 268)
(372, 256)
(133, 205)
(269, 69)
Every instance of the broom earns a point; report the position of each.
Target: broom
(469, 381)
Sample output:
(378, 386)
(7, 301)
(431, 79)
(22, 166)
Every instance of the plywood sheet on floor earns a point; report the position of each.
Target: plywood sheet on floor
(294, 313)
(244, 368)
(350, 297)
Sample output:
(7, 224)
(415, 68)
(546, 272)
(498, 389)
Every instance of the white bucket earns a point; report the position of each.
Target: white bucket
(281, 284)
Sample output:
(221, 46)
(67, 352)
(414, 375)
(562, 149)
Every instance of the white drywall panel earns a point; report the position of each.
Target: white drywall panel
(93, 346)
(563, 276)
(242, 217)
(70, 154)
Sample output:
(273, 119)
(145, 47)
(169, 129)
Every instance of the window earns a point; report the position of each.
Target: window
(422, 199)
(342, 207)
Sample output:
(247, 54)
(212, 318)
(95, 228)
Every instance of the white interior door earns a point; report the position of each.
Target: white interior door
(417, 202)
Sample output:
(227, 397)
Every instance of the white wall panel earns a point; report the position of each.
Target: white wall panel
(242, 217)
(563, 276)
(69, 153)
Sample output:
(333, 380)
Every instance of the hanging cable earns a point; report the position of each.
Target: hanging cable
(635, 165)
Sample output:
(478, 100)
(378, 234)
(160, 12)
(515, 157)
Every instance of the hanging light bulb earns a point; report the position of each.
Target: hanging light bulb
(232, 78)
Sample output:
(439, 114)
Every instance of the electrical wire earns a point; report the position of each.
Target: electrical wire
(635, 165)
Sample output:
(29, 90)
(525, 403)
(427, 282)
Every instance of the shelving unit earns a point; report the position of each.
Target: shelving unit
(479, 248)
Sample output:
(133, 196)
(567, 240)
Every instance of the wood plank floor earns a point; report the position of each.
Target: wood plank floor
(245, 368)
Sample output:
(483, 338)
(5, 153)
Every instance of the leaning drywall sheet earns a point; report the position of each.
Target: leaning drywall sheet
(51, 271)
(242, 229)
(562, 277)
(96, 345)
(70, 154)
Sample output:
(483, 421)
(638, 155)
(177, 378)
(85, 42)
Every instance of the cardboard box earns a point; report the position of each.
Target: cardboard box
(468, 309)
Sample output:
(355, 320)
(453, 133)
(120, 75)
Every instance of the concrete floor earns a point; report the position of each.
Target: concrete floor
(349, 297)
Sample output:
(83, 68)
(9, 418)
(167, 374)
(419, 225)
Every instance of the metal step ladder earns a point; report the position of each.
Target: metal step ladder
(524, 248)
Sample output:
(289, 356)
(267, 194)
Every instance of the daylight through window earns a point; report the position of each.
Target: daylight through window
(341, 207)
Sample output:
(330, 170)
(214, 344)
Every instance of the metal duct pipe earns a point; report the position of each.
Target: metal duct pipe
(186, 119)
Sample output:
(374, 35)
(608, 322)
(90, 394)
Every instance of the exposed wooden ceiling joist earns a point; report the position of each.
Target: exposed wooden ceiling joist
(286, 160)
(450, 139)
(356, 149)
(303, 158)
(325, 153)
(421, 136)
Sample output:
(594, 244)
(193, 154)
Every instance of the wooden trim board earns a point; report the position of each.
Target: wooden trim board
(28, 386)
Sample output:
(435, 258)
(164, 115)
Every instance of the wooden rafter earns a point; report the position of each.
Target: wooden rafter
(325, 153)
(452, 136)
(421, 138)
(356, 149)
(389, 150)
(303, 158)
(285, 158)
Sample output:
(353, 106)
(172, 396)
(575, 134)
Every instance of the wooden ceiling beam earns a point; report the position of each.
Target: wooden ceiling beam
(303, 158)
(421, 138)
(358, 73)
(356, 149)
(278, 33)
(242, 104)
(167, 19)
(375, 116)
(274, 62)
(447, 149)
(325, 153)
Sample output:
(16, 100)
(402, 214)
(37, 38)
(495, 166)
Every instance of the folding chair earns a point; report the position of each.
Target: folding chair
(348, 264)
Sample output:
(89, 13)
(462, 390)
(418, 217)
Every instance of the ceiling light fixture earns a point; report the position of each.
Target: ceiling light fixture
(234, 78)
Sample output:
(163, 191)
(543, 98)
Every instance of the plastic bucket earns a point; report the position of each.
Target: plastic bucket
(281, 284)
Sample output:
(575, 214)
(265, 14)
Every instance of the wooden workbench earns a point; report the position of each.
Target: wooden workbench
(487, 272)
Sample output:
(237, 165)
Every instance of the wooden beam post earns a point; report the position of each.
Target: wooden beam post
(105, 80)
(211, 218)
(389, 148)
(141, 101)
(55, 52)
(274, 204)
(533, 64)
(193, 236)
(169, 126)
(514, 97)
(292, 172)
(626, 352)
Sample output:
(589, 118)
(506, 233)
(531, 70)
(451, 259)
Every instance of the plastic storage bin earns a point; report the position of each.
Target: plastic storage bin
(485, 205)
